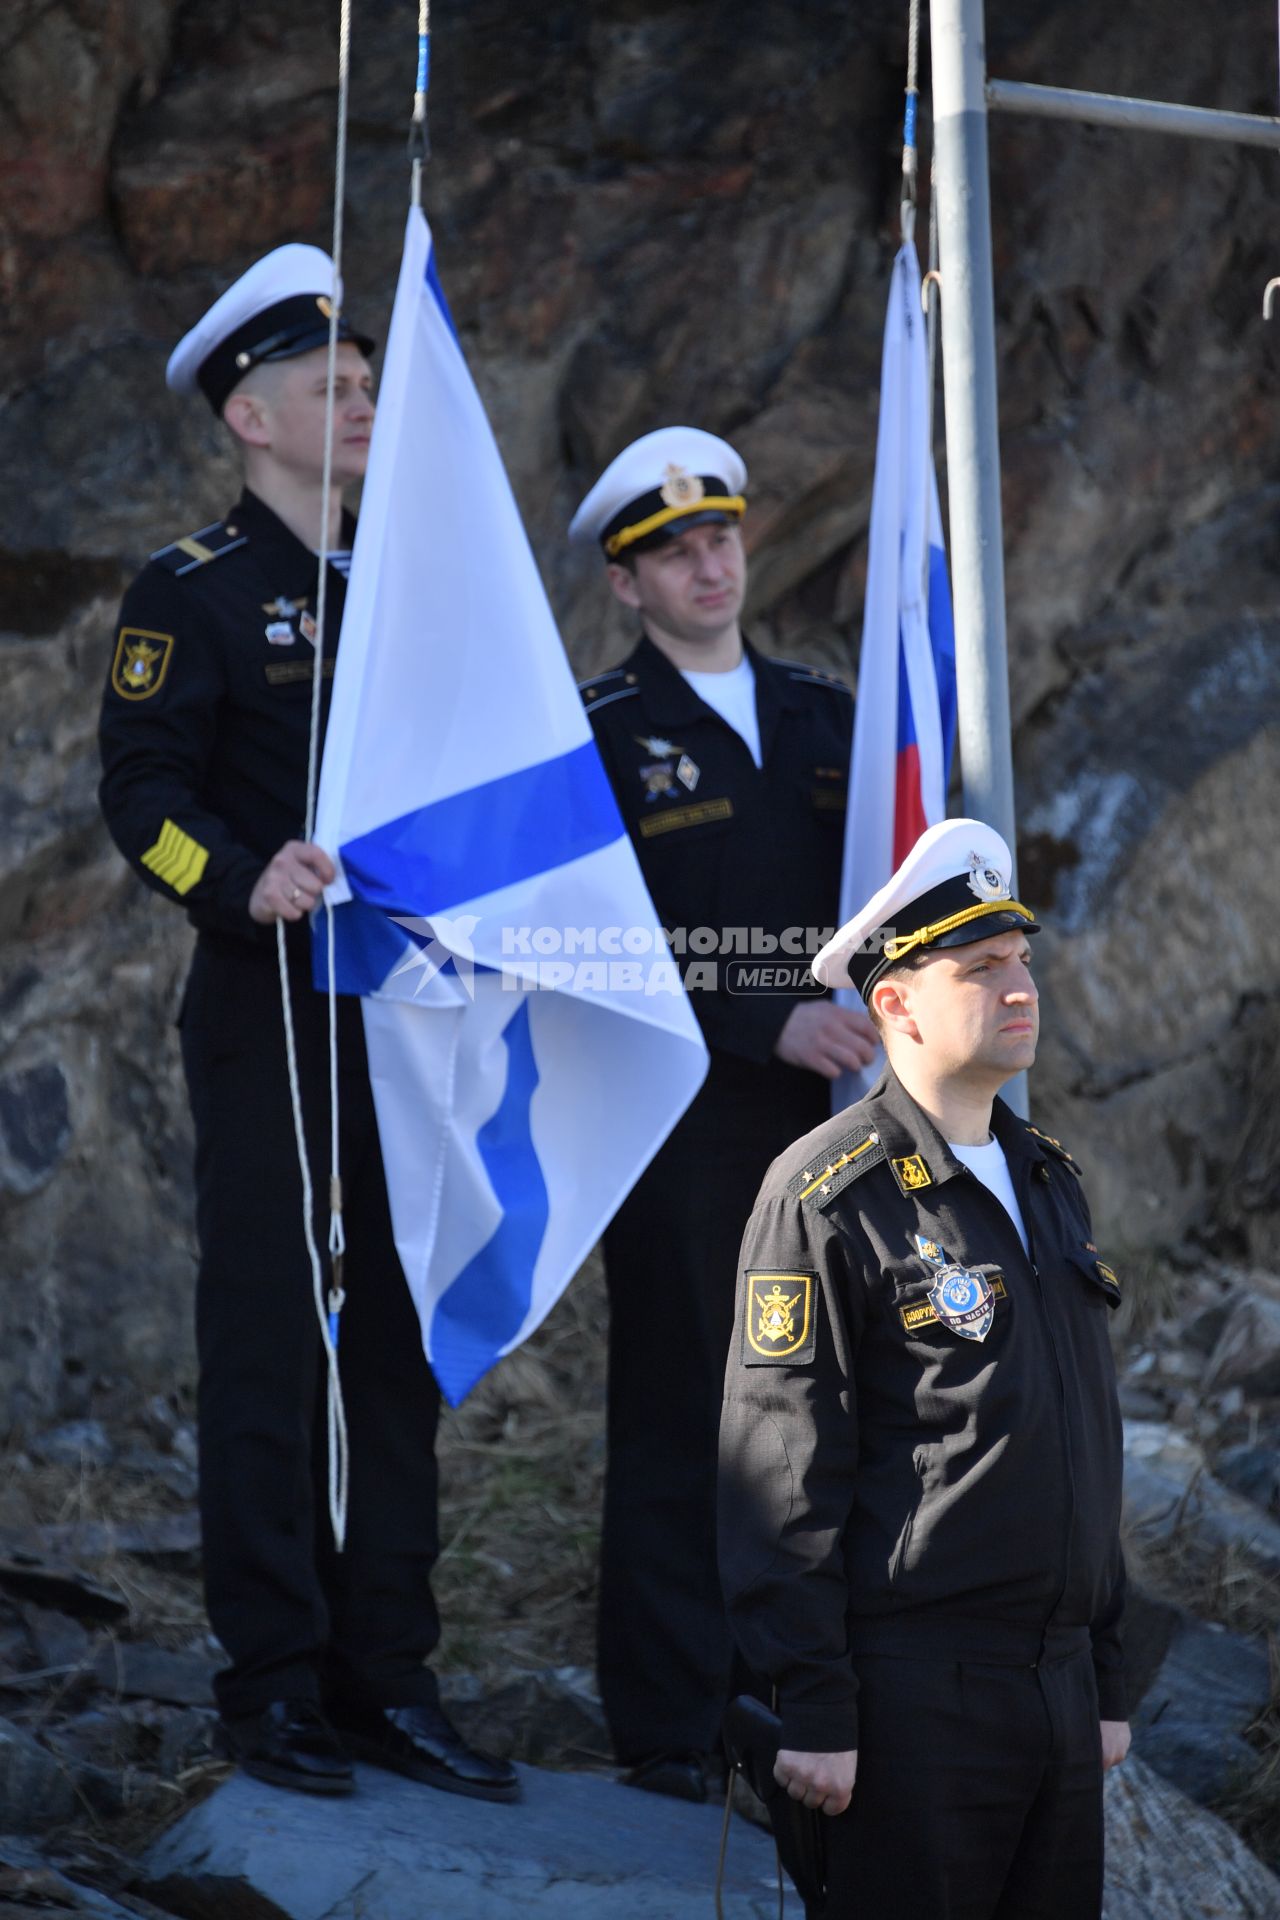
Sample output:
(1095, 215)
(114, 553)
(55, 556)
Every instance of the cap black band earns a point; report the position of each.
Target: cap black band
(279, 332)
(952, 914)
(655, 517)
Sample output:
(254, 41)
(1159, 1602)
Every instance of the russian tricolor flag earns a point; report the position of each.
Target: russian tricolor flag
(904, 729)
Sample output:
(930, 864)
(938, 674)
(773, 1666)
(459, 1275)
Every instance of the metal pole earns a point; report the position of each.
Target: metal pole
(973, 447)
(1144, 116)
(969, 387)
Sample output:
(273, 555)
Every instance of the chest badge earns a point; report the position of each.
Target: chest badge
(280, 633)
(659, 780)
(307, 628)
(930, 1250)
(687, 773)
(963, 1301)
(283, 608)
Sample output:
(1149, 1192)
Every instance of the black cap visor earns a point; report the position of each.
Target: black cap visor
(290, 328)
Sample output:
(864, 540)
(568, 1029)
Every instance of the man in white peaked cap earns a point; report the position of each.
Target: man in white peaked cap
(731, 773)
(205, 742)
(920, 1460)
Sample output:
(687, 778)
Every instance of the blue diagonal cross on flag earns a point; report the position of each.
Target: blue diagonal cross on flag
(518, 1098)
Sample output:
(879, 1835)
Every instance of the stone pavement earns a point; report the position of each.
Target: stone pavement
(579, 1847)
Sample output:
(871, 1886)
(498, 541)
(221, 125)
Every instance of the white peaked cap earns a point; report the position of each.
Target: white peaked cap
(675, 476)
(279, 308)
(955, 886)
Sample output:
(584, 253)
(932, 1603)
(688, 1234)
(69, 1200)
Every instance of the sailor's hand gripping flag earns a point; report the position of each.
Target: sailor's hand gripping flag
(530, 1044)
(904, 726)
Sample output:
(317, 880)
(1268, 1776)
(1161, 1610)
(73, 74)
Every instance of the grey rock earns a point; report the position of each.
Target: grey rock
(1137, 1403)
(27, 1574)
(552, 1713)
(165, 1469)
(133, 1671)
(57, 1639)
(1253, 1471)
(78, 1442)
(1167, 1859)
(1169, 1492)
(1247, 1353)
(36, 1790)
(578, 1847)
(163, 1539)
(29, 1881)
(35, 1125)
(583, 1848)
(1210, 1687)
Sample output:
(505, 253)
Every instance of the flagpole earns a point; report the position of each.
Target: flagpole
(969, 394)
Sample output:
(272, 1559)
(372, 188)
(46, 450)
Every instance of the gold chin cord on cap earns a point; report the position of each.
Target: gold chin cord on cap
(895, 949)
(718, 503)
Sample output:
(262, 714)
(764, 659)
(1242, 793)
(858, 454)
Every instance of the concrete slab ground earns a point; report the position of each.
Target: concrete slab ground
(578, 1846)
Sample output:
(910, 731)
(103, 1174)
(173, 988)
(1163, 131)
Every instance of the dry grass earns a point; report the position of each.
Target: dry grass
(521, 1466)
(1253, 1808)
(1221, 1585)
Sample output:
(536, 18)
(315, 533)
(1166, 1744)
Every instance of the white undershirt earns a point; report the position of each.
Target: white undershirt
(991, 1167)
(733, 695)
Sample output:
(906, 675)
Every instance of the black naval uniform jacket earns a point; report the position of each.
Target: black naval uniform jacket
(721, 843)
(887, 1485)
(207, 714)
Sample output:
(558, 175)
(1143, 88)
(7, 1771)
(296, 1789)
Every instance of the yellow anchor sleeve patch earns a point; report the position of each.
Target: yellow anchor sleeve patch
(141, 663)
(779, 1324)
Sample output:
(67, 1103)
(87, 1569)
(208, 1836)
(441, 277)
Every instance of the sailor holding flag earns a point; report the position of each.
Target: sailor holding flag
(204, 737)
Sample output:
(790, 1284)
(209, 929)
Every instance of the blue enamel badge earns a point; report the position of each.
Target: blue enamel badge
(963, 1300)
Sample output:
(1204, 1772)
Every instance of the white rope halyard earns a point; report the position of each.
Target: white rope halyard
(419, 145)
(327, 1310)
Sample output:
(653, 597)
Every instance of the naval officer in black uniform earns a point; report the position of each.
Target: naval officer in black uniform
(204, 736)
(920, 1450)
(731, 771)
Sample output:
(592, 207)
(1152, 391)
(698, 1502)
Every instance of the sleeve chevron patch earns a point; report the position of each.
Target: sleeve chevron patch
(176, 858)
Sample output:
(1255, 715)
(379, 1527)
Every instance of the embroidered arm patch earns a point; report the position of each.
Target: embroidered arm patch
(779, 1324)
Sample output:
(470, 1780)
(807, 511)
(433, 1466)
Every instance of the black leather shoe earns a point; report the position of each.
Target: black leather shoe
(679, 1775)
(422, 1744)
(289, 1744)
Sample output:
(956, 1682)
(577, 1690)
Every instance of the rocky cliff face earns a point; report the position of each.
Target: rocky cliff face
(646, 212)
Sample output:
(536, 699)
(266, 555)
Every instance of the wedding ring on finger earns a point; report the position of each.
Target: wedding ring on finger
(295, 894)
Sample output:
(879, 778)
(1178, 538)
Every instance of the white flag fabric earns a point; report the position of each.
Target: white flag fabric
(530, 1042)
(904, 725)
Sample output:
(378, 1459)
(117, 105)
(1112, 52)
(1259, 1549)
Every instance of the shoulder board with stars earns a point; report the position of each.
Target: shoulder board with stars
(198, 549)
(1056, 1148)
(852, 1156)
(603, 688)
(813, 677)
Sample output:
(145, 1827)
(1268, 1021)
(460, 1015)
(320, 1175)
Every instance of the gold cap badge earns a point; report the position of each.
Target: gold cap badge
(681, 488)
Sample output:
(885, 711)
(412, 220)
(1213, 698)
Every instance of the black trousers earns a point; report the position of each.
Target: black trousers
(671, 1265)
(297, 1619)
(978, 1794)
